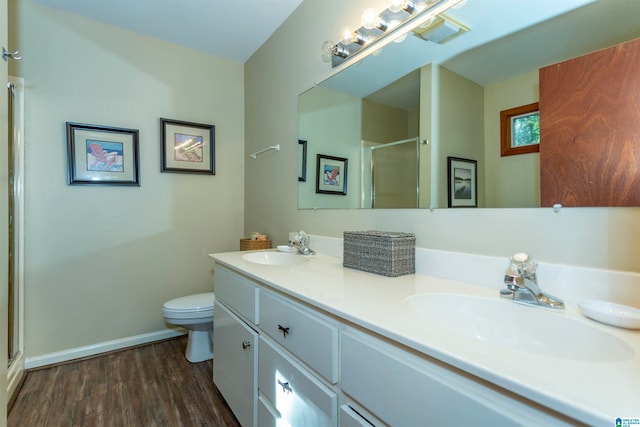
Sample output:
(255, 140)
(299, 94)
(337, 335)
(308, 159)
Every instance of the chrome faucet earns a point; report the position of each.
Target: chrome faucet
(301, 242)
(523, 285)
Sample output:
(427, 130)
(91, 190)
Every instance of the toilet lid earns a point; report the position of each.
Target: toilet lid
(197, 302)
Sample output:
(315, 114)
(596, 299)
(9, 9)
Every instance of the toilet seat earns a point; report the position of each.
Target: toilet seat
(196, 306)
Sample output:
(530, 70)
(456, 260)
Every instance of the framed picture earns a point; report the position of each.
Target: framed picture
(187, 147)
(462, 176)
(520, 130)
(302, 160)
(102, 155)
(331, 175)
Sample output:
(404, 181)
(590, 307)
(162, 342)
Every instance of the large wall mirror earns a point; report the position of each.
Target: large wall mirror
(401, 114)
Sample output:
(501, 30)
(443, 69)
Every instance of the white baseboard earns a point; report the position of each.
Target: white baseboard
(99, 348)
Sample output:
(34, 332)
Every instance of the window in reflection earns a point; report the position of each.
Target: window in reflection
(520, 130)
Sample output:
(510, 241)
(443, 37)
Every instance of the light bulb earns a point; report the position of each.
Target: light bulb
(398, 5)
(420, 4)
(395, 5)
(327, 51)
(347, 36)
(370, 18)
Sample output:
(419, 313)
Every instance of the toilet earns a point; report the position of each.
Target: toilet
(195, 313)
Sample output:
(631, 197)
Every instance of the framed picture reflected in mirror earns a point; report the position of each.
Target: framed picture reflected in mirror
(462, 177)
(331, 175)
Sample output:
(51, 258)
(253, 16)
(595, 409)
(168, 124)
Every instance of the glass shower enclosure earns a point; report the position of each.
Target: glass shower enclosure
(391, 174)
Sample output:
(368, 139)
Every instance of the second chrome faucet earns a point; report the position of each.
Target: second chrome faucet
(522, 285)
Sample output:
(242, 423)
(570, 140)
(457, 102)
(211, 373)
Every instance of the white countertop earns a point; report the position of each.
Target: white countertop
(593, 392)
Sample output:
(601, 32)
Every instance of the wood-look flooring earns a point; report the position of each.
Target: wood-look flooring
(150, 385)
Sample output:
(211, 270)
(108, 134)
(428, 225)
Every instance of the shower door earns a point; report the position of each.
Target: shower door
(15, 233)
(394, 174)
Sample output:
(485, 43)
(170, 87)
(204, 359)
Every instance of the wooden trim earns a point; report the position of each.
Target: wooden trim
(505, 131)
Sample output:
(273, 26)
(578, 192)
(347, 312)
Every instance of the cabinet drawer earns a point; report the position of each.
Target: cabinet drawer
(405, 390)
(298, 397)
(350, 418)
(240, 293)
(266, 415)
(236, 363)
(312, 339)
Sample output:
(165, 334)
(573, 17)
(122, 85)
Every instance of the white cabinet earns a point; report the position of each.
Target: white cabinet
(349, 417)
(261, 381)
(299, 398)
(280, 362)
(236, 363)
(302, 332)
(403, 389)
(238, 292)
(267, 416)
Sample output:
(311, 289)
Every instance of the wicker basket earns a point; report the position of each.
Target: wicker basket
(250, 245)
(381, 252)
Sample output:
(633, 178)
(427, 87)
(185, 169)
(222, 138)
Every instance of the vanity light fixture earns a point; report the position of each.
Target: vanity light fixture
(398, 19)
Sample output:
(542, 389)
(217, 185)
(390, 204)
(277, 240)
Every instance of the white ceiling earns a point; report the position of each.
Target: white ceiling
(206, 25)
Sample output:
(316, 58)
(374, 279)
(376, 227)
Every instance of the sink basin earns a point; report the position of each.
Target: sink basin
(274, 258)
(519, 327)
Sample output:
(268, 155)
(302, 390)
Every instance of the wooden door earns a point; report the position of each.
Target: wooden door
(590, 129)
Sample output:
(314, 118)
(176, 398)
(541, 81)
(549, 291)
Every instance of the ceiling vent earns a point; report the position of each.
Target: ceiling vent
(440, 30)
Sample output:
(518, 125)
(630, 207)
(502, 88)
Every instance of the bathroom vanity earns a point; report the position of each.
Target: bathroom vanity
(314, 344)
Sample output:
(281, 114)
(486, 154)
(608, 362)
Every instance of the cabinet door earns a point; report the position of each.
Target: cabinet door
(298, 397)
(238, 292)
(404, 390)
(267, 416)
(350, 418)
(235, 366)
(312, 339)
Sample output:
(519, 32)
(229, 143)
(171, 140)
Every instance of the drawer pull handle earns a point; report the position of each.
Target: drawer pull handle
(286, 388)
(246, 345)
(285, 331)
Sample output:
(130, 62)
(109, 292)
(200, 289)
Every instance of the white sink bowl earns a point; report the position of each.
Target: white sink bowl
(274, 258)
(519, 327)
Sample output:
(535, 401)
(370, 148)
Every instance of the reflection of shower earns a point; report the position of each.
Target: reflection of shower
(391, 174)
